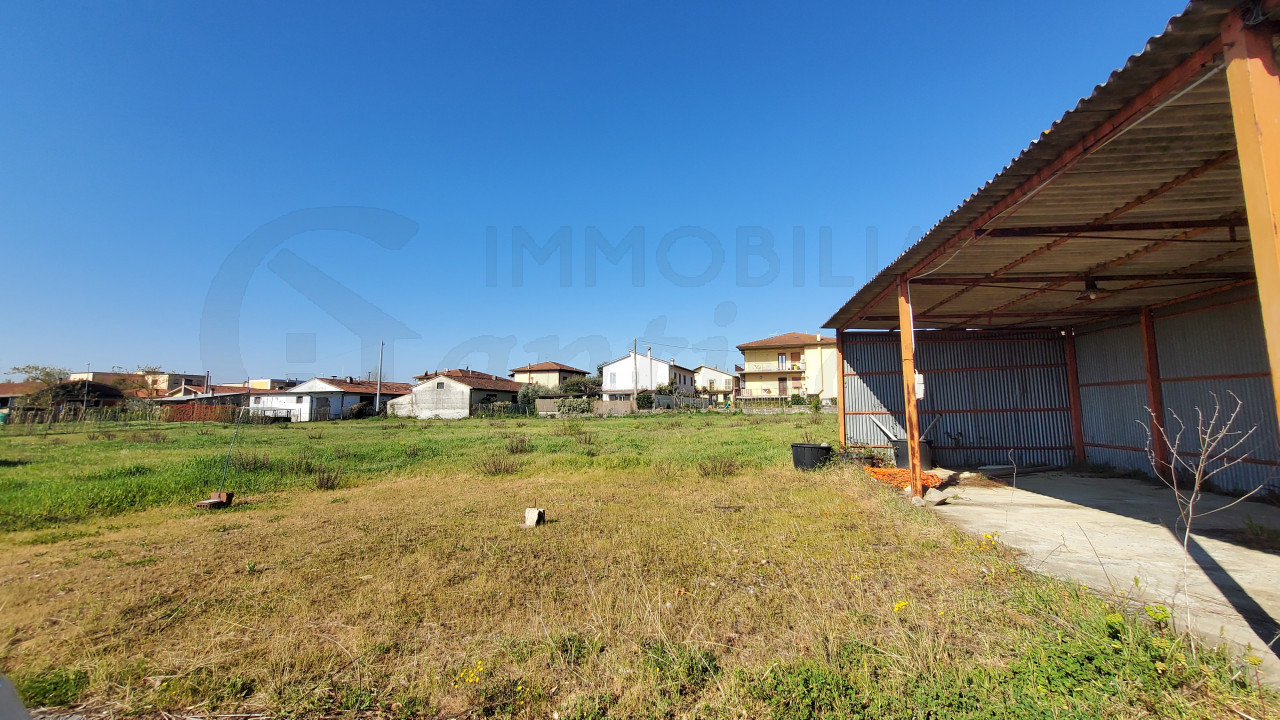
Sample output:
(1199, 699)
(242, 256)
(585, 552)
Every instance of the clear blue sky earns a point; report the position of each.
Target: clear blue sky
(142, 142)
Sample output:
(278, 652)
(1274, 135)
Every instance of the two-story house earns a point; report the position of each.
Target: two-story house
(715, 384)
(547, 374)
(790, 364)
(621, 379)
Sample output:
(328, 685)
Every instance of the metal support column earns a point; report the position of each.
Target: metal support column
(906, 336)
(1254, 83)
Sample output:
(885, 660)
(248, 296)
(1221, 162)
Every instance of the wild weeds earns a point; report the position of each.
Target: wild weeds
(302, 463)
(718, 468)
(95, 436)
(567, 428)
(518, 444)
(327, 479)
(493, 465)
(250, 462)
(155, 437)
(315, 434)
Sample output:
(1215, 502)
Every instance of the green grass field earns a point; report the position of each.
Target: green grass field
(687, 571)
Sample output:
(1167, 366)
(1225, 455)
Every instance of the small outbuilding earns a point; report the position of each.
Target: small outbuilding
(453, 394)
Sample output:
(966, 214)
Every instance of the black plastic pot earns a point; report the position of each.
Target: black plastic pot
(807, 456)
(903, 460)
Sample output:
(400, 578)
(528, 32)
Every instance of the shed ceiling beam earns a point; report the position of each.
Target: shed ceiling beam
(1099, 222)
(1038, 230)
(1008, 315)
(977, 281)
(1133, 111)
(1147, 282)
(1140, 252)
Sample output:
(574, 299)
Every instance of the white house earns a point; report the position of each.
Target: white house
(625, 376)
(451, 394)
(714, 383)
(323, 398)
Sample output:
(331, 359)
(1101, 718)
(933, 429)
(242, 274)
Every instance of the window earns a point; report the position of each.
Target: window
(257, 401)
(440, 386)
(298, 400)
(613, 379)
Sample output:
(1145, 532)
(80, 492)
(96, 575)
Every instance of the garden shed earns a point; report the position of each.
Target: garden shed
(1122, 270)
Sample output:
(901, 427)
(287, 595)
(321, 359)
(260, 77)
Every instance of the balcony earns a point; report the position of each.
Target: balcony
(788, 366)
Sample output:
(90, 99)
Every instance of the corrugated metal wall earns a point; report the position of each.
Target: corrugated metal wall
(1113, 397)
(989, 397)
(1202, 351)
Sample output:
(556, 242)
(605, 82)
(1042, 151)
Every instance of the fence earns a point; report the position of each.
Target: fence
(499, 409)
(679, 402)
(202, 413)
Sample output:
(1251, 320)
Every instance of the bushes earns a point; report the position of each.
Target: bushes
(644, 401)
(798, 399)
(574, 406)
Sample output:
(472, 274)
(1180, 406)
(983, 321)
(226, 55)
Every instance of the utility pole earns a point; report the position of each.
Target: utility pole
(635, 376)
(377, 397)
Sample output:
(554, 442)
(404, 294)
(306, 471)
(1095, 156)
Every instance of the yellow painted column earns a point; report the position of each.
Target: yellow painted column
(907, 338)
(1254, 82)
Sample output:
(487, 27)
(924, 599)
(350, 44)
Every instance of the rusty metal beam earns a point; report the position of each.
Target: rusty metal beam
(841, 409)
(1157, 226)
(1078, 277)
(1131, 112)
(1073, 396)
(1100, 221)
(1155, 394)
(1145, 250)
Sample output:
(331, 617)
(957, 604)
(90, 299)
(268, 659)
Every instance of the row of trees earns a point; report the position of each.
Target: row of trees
(50, 375)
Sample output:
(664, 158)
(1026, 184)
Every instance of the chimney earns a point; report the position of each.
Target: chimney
(818, 337)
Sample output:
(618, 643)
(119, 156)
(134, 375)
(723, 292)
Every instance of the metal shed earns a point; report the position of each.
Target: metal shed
(1123, 268)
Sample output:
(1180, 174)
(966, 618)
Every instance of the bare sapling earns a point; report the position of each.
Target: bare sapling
(1189, 472)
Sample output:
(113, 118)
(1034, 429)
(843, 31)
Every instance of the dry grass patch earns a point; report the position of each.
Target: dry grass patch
(776, 594)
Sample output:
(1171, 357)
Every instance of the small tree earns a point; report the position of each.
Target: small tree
(529, 393)
(1189, 474)
(644, 400)
(46, 375)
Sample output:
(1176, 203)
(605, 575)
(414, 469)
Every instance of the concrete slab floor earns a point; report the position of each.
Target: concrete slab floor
(1105, 532)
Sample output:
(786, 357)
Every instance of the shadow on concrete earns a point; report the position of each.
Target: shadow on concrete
(1154, 503)
(1259, 620)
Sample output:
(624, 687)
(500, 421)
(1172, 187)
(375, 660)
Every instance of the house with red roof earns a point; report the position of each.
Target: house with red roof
(793, 363)
(330, 398)
(547, 374)
(452, 394)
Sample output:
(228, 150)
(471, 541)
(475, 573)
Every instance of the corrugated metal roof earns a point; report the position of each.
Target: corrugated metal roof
(1174, 163)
